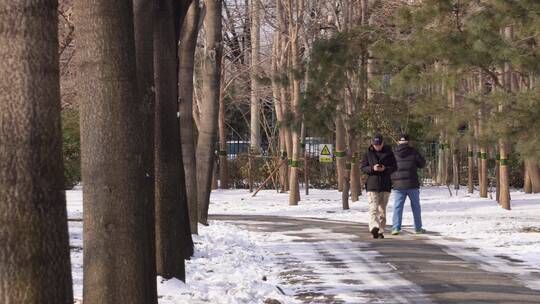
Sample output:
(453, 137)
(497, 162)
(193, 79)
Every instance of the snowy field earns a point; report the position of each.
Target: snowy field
(235, 266)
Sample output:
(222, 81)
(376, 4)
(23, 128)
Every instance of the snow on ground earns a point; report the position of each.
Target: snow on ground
(508, 240)
(228, 266)
(230, 263)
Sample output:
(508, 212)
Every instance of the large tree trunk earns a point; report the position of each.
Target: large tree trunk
(113, 168)
(533, 171)
(173, 236)
(527, 183)
(255, 124)
(186, 52)
(34, 250)
(143, 21)
(211, 87)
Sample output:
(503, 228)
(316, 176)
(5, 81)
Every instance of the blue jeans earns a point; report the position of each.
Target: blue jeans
(399, 201)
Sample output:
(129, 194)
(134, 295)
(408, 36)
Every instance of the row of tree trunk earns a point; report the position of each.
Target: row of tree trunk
(131, 75)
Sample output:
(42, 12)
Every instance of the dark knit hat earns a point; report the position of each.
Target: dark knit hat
(377, 139)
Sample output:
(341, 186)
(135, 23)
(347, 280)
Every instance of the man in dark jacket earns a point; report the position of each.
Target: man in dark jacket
(406, 184)
(378, 163)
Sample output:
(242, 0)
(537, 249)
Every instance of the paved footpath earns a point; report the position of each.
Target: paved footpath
(338, 262)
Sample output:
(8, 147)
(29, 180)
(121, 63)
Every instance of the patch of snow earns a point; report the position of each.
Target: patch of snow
(228, 266)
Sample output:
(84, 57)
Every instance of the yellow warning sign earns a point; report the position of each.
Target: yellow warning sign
(325, 153)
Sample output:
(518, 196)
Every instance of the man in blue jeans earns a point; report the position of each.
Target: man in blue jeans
(406, 184)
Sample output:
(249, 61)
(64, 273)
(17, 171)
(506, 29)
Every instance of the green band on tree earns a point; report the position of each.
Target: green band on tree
(503, 162)
(353, 159)
(222, 153)
(294, 163)
(478, 155)
(290, 162)
(498, 157)
(339, 153)
(348, 166)
(470, 154)
(484, 155)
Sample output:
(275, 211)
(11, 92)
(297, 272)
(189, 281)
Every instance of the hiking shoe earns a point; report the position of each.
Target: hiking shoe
(420, 231)
(381, 236)
(395, 232)
(375, 232)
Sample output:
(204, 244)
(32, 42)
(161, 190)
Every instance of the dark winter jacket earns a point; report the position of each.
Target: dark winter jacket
(379, 181)
(408, 161)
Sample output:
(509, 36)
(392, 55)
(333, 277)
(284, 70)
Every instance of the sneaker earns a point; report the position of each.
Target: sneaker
(381, 236)
(395, 232)
(420, 231)
(375, 232)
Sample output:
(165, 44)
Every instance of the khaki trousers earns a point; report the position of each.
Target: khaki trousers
(377, 209)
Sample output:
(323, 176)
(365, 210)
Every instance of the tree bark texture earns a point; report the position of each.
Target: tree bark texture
(223, 160)
(143, 21)
(533, 170)
(186, 56)
(255, 124)
(340, 150)
(211, 68)
(113, 168)
(294, 186)
(173, 236)
(34, 251)
(470, 169)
